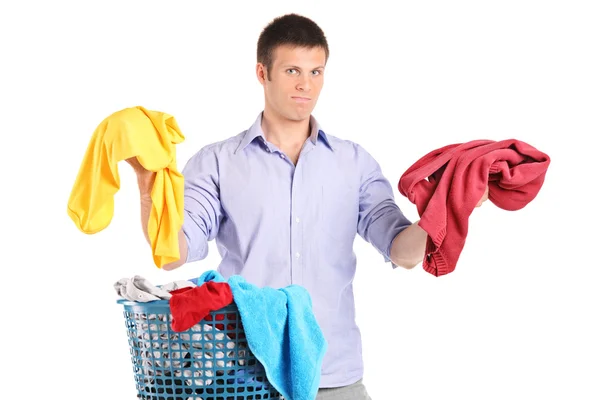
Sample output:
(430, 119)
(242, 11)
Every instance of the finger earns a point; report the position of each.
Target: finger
(133, 161)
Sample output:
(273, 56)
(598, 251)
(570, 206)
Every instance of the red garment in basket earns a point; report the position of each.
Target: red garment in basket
(446, 185)
(191, 305)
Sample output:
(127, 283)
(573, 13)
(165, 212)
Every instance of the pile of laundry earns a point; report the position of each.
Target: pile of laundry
(186, 348)
(199, 356)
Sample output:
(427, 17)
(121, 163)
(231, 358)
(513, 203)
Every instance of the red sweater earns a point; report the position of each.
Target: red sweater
(446, 185)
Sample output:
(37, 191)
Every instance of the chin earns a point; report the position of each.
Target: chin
(294, 114)
(299, 116)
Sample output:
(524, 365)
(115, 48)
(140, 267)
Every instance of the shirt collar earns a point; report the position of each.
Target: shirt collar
(256, 131)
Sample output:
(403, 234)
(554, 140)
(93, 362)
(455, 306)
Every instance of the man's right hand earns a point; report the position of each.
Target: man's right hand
(145, 178)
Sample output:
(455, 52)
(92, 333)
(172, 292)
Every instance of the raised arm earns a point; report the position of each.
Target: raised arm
(202, 208)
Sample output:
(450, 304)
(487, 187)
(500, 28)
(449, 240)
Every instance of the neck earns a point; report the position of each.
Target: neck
(283, 132)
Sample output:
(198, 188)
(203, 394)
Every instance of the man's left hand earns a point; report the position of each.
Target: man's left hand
(485, 196)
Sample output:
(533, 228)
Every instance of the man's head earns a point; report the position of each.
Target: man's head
(291, 55)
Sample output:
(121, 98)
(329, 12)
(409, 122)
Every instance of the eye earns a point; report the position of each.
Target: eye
(316, 72)
(291, 69)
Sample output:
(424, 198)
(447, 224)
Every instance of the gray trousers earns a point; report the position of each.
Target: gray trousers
(355, 391)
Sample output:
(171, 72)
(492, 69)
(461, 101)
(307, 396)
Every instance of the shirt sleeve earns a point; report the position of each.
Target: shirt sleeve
(202, 204)
(379, 218)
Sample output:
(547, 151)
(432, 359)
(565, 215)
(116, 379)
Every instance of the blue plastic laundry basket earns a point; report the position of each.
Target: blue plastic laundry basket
(210, 361)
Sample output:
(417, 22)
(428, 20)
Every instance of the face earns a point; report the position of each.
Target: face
(296, 79)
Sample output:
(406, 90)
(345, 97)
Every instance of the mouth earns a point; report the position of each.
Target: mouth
(299, 99)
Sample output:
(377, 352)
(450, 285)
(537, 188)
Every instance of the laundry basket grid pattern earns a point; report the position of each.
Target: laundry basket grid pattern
(210, 361)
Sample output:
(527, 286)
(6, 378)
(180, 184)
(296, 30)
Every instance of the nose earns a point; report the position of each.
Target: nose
(303, 84)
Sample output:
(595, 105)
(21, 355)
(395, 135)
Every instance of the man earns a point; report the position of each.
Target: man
(284, 200)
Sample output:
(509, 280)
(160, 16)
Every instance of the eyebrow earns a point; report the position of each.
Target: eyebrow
(295, 66)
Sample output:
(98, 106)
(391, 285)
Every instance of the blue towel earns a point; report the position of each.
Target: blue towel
(282, 333)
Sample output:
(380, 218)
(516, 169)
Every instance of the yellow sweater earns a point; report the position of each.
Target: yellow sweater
(151, 136)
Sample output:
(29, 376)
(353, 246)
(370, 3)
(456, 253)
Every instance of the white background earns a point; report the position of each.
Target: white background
(518, 318)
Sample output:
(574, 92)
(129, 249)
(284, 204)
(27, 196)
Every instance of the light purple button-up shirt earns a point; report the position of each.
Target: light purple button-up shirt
(277, 224)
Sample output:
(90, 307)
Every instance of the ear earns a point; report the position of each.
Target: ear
(261, 73)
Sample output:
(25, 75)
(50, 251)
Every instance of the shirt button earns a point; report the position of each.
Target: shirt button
(297, 219)
(297, 255)
(282, 155)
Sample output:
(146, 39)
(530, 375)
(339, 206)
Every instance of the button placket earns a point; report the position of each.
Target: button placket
(295, 227)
